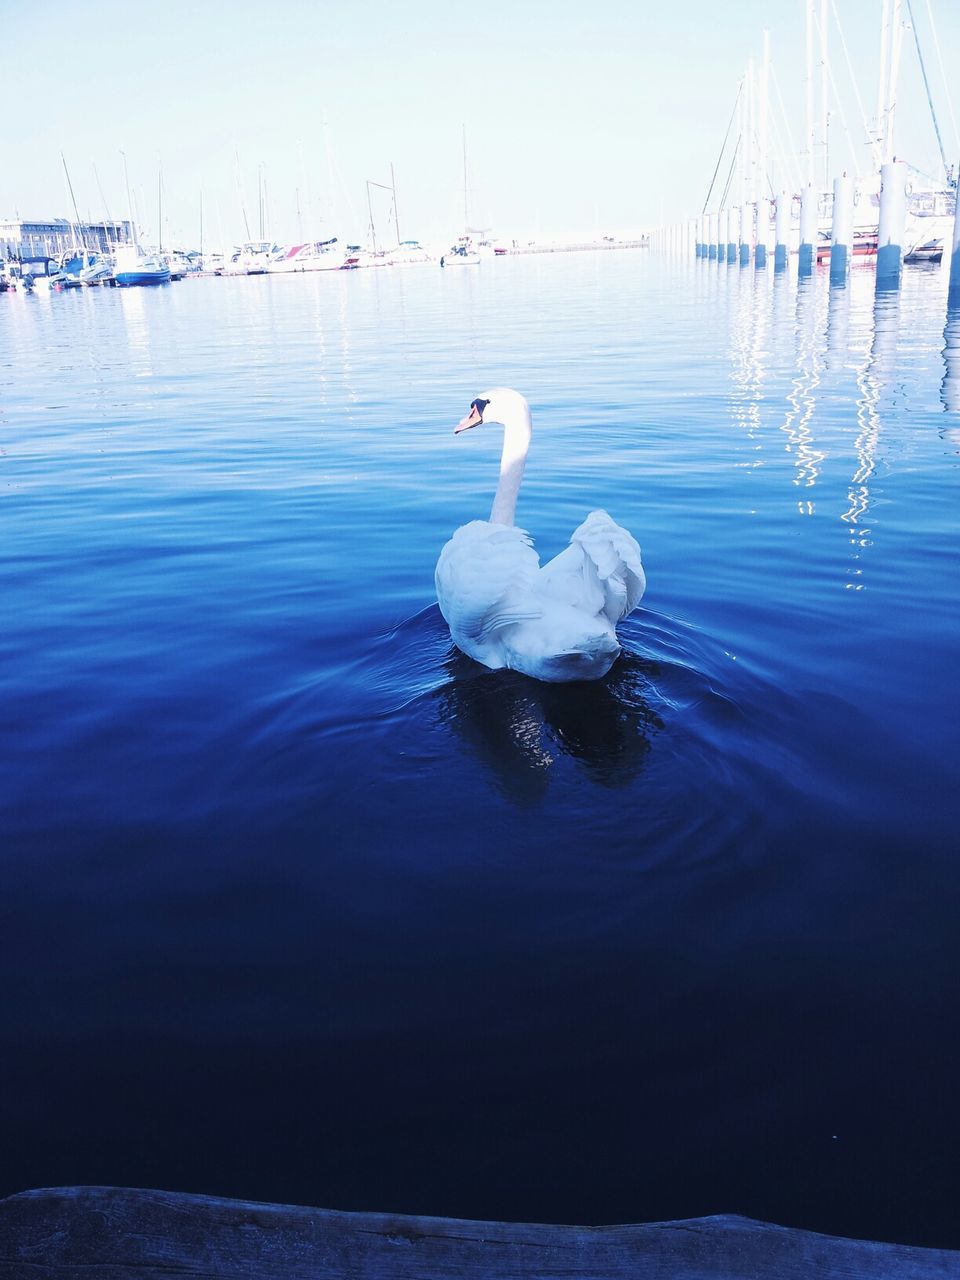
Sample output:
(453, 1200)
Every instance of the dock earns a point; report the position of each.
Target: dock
(77, 1233)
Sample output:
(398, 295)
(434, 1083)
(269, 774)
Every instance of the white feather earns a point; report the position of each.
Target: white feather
(556, 622)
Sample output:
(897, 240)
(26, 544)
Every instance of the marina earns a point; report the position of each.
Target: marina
(885, 212)
(453, 940)
(478, 726)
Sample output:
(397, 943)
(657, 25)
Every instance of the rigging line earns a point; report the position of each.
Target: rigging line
(843, 117)
(724, 147)
(102, 196)
(922, 173)
(926, 85)
(784, 160)
(874, 145)
(946, 82)
(794, 172)
(733, 161)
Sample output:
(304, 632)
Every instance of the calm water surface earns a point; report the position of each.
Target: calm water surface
(301, 905)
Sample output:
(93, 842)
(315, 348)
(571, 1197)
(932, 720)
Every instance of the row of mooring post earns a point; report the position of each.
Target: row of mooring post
(729, 236)
(750, 231)
(893, 221)
(744, 234)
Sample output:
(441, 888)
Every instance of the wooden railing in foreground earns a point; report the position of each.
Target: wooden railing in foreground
(112, 1233)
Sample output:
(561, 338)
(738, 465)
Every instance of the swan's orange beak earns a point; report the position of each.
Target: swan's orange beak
(473, 419)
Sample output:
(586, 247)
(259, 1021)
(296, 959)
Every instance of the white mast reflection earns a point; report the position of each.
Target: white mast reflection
(748, 352)
(137, 327)
(871, 379)
(808, 459)
(950, 390)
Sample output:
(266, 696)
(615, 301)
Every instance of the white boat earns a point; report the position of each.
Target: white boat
(319, 255)
(212, 264)
(97, 270)
(460, 256)
(254, 257)
(929, 224)
(178, 262)
(927, 230)
(409, 253)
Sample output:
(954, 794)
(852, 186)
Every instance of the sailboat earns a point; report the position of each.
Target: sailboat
(132, 264)
(930, 205)
(79, 266)
(463, 253)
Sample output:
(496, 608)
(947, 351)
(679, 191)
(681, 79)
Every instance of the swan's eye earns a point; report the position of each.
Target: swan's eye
(479, 405)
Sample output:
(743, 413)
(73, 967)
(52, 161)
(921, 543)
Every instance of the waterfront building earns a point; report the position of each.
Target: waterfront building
(51, 237)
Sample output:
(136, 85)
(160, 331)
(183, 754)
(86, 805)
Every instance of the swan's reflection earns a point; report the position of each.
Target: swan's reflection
(520, 728)
(950, 390)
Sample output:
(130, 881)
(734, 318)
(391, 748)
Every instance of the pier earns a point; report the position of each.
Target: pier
(73, 1233)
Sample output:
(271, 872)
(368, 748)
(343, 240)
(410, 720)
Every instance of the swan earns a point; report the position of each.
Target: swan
(554, 622)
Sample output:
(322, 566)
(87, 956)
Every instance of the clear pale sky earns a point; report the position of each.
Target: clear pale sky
(602, 116)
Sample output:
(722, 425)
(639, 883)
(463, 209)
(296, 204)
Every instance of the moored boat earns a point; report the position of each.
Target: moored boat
(254, 257)
(98, 269)
(319, 255)
(460, 256)
(134, 266)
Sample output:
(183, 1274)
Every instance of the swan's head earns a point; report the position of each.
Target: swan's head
(499, 405)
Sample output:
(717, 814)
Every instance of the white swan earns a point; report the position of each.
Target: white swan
(556, 622)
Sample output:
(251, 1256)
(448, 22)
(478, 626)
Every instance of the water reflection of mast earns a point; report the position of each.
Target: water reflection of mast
(838, 326)
(808, 460)
(950, 391)
(749, 331)
(871, 379)
(139, 351)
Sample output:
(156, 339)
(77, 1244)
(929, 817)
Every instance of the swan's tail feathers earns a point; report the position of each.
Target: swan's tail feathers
(591, 662)
(614, 556)
(563, 643)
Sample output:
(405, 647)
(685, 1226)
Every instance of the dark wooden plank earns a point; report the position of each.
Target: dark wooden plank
(119, 1234)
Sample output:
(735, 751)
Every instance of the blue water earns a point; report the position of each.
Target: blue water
(299, 904)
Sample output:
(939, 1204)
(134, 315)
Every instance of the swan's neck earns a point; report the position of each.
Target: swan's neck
(516, 442)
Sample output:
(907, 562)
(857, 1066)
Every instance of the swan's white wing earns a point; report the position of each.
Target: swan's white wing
(484, 578)
(599, 573)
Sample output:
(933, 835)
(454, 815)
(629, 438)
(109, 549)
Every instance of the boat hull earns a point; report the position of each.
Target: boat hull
(126, 278)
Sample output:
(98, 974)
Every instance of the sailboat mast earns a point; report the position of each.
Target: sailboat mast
(243, 203)
(373, 230)
(742, 145)
(466, 213)
(809, 93)
(824, 96)
(126, 183)
(882, 81)
(160, 210)
(762, 128)
(926, 85)
(108, 221)
(76, 213)
(896, 42)
(396, 215)
(751, 157)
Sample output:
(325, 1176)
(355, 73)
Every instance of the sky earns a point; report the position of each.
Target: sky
(602, 117)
